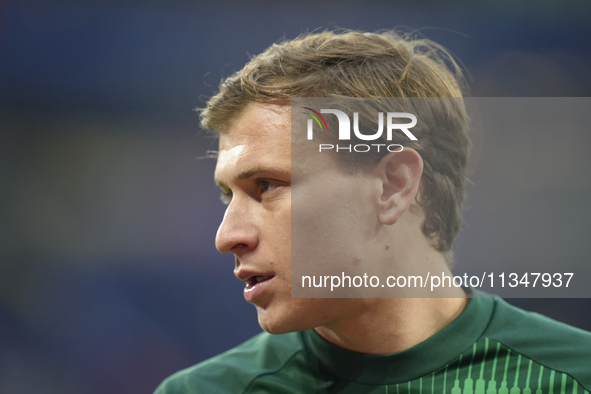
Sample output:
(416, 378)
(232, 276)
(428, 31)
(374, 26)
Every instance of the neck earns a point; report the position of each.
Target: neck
(384, 325)
(391, 325)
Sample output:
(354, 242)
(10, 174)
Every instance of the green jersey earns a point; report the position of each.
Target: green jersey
(492, 347)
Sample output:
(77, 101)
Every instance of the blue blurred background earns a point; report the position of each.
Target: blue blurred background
(109, 278)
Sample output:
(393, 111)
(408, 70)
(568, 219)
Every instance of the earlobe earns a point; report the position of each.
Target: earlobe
(400, 177)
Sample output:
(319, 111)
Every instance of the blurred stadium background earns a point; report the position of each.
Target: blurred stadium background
(109, 278)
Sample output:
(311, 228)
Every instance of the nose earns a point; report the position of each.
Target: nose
(237, 232)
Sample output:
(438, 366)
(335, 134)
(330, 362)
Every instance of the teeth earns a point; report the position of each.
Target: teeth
(260, 278)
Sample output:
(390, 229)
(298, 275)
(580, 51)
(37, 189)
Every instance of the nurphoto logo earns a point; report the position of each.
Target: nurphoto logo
(345, 129)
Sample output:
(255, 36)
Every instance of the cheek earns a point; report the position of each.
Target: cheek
(279, 233)
(326, 230)
(332, 213)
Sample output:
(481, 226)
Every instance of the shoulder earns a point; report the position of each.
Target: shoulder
(237, 369)
(555, 345)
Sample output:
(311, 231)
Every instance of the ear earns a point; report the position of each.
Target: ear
(400, 176)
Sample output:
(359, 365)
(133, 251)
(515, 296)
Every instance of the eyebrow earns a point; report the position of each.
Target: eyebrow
(246, 174)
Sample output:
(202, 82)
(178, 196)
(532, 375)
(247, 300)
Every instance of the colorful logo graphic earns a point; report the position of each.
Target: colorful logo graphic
(315, 117)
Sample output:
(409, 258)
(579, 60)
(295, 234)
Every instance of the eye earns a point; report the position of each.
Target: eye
(266, 185)
(226, 197)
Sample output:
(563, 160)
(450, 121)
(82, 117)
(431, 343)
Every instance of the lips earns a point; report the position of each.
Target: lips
(256, 286)
(256, 281)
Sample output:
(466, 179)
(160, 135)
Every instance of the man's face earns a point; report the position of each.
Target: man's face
(254, 170)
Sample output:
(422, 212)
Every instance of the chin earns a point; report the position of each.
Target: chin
(280, 323)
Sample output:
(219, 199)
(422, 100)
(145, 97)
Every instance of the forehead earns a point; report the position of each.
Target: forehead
(259, 137)
(257, 120)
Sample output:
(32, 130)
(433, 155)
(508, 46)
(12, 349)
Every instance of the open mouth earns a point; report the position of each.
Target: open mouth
(253, 280)
(256, 286)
